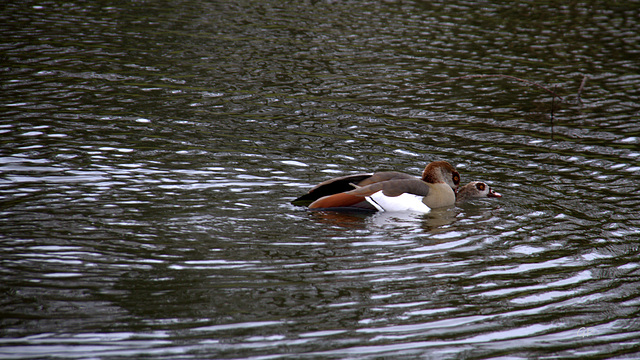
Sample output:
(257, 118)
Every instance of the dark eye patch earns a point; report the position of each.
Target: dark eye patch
(456, 178)
(480, 186)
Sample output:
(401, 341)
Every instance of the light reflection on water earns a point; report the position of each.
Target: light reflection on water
(149, 155)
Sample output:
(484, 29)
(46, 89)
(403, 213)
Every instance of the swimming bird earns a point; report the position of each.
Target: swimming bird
(474, 190)
(386, 191)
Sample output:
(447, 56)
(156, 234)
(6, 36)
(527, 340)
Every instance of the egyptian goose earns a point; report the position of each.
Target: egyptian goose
(386, 191)
(474, 190)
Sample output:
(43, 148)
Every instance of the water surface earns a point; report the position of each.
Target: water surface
(149, 153)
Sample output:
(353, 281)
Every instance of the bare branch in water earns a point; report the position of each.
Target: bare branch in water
(555, 94)
(553, 103)
(584, 80)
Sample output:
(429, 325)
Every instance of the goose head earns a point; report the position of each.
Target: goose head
(441, 172)
(474, 190)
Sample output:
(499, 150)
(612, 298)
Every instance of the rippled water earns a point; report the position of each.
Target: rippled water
(149, 152)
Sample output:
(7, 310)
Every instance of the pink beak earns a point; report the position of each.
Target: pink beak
(492, 193)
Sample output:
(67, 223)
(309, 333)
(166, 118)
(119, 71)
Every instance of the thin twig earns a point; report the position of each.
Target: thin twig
(553, 103)
(555, 94)
(584, 80)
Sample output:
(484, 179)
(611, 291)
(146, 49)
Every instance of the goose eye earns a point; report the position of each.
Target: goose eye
(480, 186)
(456, 179)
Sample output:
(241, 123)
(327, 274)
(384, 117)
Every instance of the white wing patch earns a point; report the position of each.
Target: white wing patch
(403, 202)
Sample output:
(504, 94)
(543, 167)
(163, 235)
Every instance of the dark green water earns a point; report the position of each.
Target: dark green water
(149, 152)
